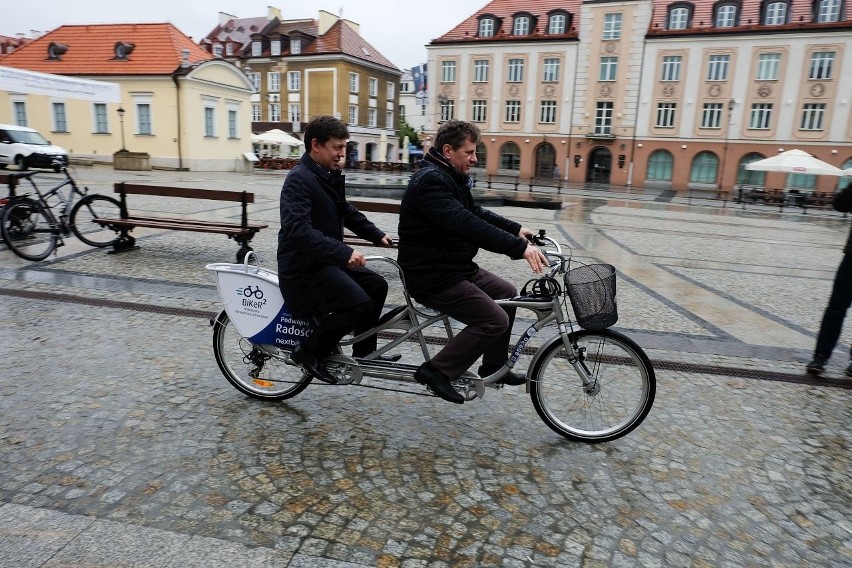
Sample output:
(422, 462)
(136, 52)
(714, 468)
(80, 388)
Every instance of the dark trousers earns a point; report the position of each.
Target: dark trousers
(357, 309)
(489, 327)
(835, 312)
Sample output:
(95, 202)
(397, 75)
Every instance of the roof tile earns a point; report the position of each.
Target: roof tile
(505, 9)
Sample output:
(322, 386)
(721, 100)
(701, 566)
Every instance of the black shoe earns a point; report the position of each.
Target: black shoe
(512, 379)
(816, 366)
(428, 375)
(308, 362)
(384, 358)
(849, 371)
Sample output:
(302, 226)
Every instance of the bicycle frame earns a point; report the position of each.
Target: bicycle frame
(67, 200)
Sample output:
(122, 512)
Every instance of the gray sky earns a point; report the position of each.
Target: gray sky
(399, 30)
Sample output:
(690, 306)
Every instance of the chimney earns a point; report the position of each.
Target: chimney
(272, 13)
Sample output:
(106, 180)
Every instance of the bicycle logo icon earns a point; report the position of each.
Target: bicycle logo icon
(248, 292)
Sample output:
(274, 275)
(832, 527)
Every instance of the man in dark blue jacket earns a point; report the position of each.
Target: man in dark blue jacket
(441, 230)
(320, 276)
(840, 300)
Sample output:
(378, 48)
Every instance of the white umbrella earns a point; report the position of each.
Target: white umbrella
(276, 136)
(795, 162)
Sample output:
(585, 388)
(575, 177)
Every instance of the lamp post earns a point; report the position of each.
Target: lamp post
(121, 112)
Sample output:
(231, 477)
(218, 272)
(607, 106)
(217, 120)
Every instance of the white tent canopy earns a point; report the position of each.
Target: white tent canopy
(795, 162)
(276, 137)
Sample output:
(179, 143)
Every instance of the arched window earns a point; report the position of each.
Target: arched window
(705, 168)
(726, 16)
(545, 161)
(481, 155)
(775, 13)
(486, 27)
(827, 11)
(521, 25)
(510, 156)
(660, 166)
(557, 23)
(679, 16)
(750, 177)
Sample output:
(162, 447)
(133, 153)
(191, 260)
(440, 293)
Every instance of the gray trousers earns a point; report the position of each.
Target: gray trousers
(489, 327)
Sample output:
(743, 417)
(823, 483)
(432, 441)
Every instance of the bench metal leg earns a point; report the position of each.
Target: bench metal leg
(123, 243)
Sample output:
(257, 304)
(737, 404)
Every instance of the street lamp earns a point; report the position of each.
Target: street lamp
(121, 112)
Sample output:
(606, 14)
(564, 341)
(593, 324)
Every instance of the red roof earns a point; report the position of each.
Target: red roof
(504, 10)
(341, 38)
(237, 30)
(91, 50)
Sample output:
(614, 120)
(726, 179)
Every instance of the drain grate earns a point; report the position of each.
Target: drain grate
(718, 370)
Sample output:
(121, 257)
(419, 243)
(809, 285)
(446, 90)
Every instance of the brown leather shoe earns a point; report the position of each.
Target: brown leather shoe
(438, 383)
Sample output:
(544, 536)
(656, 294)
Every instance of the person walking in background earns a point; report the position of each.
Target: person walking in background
(838, 302)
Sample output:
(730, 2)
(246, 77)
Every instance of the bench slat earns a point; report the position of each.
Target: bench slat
(180, 225)
(180, 220)
(186, 192)
(375, 206)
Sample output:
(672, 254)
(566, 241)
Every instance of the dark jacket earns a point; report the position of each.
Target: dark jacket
(843, 203)
(314, 212)
(441, 229)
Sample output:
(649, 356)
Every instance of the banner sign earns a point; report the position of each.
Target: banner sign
(34, 83)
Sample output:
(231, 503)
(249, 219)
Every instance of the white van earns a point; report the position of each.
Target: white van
(26, 148)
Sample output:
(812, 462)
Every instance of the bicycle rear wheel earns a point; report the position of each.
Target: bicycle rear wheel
(83, 217)
(28, 230)
(254, 370)
(616, 401)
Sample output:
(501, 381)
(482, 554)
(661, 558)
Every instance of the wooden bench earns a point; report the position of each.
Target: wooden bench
(241, 232)
(546, 182)
(369, 207)
(513, 180)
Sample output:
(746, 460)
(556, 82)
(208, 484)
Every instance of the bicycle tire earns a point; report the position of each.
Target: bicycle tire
(83, 216)
(621, 395)
(237, 358)
(28, 229)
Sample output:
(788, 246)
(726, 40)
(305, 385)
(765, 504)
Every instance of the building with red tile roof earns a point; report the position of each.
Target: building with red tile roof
(303, 68)
(9, 44)
(675, 94)
(181, 105)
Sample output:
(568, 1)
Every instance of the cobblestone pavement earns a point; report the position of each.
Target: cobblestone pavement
(123, 445)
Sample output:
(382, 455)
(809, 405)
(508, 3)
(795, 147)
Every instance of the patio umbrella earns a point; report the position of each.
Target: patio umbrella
(795, 162)
(276, 136)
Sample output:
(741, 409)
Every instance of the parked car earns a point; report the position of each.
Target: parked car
(26, 148)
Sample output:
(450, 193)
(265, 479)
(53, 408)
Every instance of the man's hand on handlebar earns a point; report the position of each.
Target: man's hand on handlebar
(535, 258)
(387, 241)
(357, 259)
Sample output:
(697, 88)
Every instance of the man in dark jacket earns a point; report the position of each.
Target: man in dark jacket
(320, 276)
(838, 303)
(440, 232)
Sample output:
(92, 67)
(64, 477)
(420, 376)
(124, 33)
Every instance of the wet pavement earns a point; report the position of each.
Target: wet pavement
(123, 445)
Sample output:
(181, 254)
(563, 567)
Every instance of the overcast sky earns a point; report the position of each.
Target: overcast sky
(399, 30)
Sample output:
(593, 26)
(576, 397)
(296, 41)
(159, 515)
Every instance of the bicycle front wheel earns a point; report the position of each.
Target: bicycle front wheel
(258, 371)
(28, 230)
(619, 394)
(84, 216)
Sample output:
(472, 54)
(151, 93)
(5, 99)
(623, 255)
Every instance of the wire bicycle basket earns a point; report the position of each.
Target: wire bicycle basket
(591, 289)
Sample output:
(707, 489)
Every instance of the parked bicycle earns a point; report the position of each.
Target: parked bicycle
(32, 230)
(591, 385)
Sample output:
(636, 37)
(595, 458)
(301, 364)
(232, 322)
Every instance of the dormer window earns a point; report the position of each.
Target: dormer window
(775, 13)
(827, 11)
(679, 16)
(486, 27)
(275, 47)
(256, 49)
(726, 15)
(557, 23)
(521, 26)
(55, 50)
(229, 49)
(217, 51)
(296, 46)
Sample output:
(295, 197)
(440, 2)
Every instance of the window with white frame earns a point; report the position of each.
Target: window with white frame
(822, 63)
(603, 118)
(209, 121)
(479, 110)
(513, 111)
(666, 115)
(373, 86)
(813, 115)
(353, 114)
(828, 11)
(256, 49)
(402, 112)
(671, 67)
(768, 66)
(608, 69)
(232, 123)
(717, 68)
(448, 71)
(556, 24)
(229, 49)
(217, 50)
(275, 48)
(372, 121)
(521, 26)
(353, 82)
(776, 14)
(486, 27)
(391, 91)
(711, 115)
(550, 69)
(761, 116)
(99, 111)
(60, 117)
(516, 70)
(448, 110)
(254, 79)
(612, 26)
(294, 80)
(480, 70)
(548, 112)
(294, 112)
(389, 119)
(255, 112)
(296, 46)
(143, 118)
(273, 81)
(275, 112)
(726, 16)
(678, 18)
